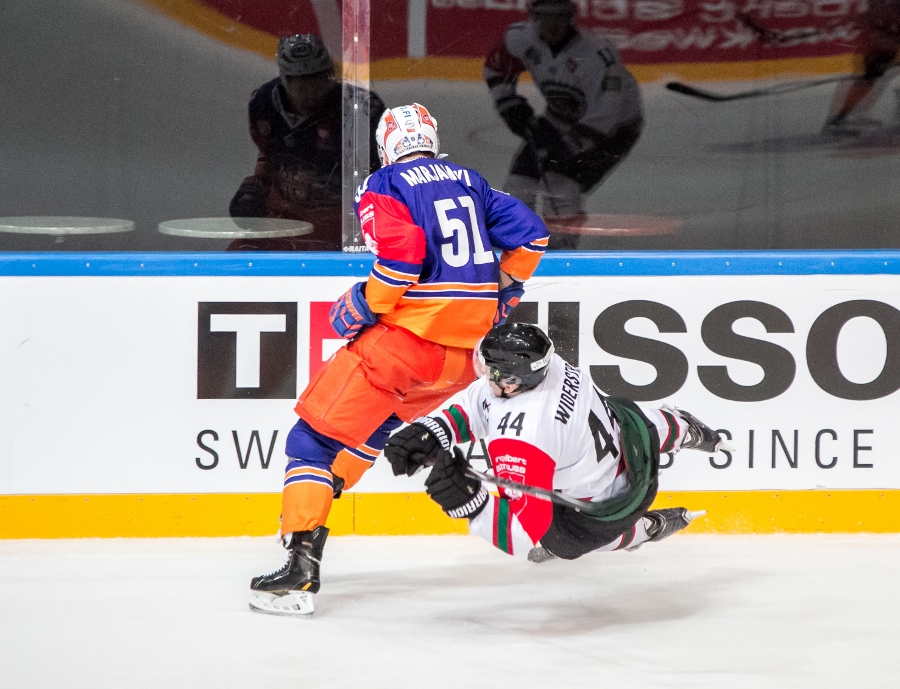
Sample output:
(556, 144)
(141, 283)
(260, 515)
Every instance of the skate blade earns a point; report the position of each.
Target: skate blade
(296, 604)
(691, 516)
(724, 446)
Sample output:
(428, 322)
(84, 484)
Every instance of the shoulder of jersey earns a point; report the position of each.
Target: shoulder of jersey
(261, 99)
(521, 36)
(593, 41)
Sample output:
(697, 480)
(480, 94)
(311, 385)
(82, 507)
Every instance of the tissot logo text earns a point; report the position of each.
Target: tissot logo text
(247, 350)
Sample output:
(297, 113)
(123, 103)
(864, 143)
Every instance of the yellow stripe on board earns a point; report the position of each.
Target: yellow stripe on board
(469, 69)
(231, 32)
(370, 514)
(216, 25)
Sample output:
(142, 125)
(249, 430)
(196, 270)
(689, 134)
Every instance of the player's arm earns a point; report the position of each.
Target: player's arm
(501, 72)
(399, 248)
(418, 445)
(250, 198)
(518, 231)
(512, 522)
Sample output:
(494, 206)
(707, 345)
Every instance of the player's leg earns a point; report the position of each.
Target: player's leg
(563, 195)
(573, 534)
(350, 403)
(861, 93)
(681, 430)
(306, 501)
(351, 463)
(524, 176)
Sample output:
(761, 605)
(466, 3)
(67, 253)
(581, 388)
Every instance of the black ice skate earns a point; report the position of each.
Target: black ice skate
(668, 521)
(288, 591)
(698, 435)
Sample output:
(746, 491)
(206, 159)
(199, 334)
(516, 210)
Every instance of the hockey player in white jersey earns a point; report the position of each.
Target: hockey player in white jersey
(551, 431)
(593, 117)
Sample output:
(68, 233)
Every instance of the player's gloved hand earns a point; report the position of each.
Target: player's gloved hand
(549, 145)
(414, 446)
(351, 312)
(457, 494)
(518, 115)
(249, 200)
(507, 300)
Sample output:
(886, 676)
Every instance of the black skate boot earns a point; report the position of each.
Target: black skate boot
(668, 521)
(288, 591)
(698, 435)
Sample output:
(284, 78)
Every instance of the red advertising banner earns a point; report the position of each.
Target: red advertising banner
(646, 31)
(666, 31)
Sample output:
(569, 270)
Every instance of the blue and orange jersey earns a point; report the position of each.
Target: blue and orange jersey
(433, 227)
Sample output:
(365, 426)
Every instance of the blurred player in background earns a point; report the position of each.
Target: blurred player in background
(593, 117)
(880, 41)
(434, 291)
(549, 428)
(295, 122)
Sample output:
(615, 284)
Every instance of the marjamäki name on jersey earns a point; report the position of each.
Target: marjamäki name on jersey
(570, 388)
(420, 174)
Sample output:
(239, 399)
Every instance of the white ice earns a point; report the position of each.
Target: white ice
(699, 612)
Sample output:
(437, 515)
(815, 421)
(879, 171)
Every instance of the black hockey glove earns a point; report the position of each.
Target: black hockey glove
(457, 494)
(249, 200)
(551, 149)
(518, 115)
(416, 445)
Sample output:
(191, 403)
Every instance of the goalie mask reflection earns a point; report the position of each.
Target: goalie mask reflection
(515, 357)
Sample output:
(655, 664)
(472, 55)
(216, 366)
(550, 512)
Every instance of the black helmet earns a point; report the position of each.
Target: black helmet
(302, 54)
(516, 354)
(565, 8)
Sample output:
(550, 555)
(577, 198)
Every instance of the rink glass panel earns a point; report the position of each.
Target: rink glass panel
(139, 112)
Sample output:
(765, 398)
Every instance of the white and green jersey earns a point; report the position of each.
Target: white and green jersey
(561, 436)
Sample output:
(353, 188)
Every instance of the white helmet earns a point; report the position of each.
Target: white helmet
(404, 130)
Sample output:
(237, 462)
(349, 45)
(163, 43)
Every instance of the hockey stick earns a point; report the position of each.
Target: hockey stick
(772, 36)
(589, 509)
(790, 87)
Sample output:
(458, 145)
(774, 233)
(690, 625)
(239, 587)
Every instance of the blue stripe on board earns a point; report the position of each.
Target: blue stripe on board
(554, 264)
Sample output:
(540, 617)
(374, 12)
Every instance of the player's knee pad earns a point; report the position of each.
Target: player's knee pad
(306, 443)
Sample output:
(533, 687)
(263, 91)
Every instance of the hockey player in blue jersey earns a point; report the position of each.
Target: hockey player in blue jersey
(436, 287)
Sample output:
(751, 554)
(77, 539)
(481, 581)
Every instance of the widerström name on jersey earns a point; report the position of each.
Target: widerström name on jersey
(570, 387)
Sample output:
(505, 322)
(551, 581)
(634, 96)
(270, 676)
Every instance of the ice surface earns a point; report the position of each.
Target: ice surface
(716, 612)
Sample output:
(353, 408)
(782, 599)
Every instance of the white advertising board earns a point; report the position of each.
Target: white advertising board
(187, 384)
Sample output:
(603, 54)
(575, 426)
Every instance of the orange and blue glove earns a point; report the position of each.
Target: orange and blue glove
(506, 301)
(351, 312)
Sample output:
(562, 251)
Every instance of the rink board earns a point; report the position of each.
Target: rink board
(150, 394)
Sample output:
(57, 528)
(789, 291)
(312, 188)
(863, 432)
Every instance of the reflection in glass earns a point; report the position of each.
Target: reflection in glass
(146, 118)
(295, 122)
